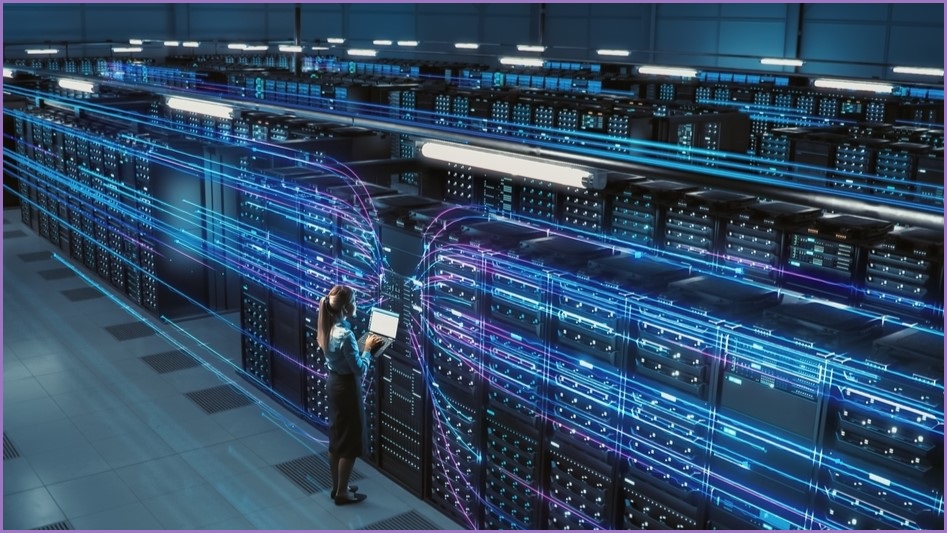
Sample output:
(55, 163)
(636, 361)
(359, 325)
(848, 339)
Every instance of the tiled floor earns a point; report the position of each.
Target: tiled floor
(105, 441)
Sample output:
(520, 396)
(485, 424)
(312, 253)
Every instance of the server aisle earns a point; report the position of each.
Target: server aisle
(109, 424)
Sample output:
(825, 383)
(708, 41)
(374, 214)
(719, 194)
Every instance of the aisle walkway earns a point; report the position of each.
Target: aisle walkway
(107, 424)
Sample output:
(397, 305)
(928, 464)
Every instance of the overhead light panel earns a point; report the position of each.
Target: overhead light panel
(919, 71)
(530, 48)
(782, 62)
(172, 43)
(381, 42)
(320, 48)
(136, 41)
(852, 85)
(76, 85)
(522, 61)
(617, 53)
(407, 43)
(237, 46)
(364, 52)
(200, 106)
(514, 165)
(7, 72)
(126, 49)
(667, 71)
(190, 44)
(335, 40)
(467, 46)
(257, 48)
(290, 48)
(35, 51)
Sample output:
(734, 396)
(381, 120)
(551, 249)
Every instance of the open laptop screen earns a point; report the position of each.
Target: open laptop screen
(384, 323)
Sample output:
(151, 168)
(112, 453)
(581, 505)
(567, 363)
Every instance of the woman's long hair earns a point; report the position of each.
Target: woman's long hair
(337, 304)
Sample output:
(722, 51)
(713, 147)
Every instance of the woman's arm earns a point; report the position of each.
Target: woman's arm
(358, 362)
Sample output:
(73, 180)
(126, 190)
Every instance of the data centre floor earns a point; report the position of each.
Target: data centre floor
(114, 419)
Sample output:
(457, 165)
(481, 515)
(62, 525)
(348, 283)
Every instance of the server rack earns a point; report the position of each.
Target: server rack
(905, 276)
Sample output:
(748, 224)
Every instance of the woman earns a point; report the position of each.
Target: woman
(346, 366)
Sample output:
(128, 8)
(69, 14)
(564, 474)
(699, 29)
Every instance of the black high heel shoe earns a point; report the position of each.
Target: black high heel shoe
(355, 498)
(352, 488)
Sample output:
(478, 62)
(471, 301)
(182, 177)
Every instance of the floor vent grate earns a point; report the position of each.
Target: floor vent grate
(220, 398)
(311, 473)
(58, 525)
(404, 521)
(13, 234)
(85, 293)
(9, 450)
(56, 273)
(165, 362)
(33, 257)
(132, 330)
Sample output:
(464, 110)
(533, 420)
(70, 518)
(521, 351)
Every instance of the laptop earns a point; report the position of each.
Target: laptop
(383, 324)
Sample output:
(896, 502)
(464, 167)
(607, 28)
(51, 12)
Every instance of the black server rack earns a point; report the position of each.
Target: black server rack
(856, 163)
(696, 224)
(827, 257)
(905, 276)
(639, 212)
(755, 243)
(539, 201)
(930, 178)
(896, 170)
(883, 444)
(813, 154)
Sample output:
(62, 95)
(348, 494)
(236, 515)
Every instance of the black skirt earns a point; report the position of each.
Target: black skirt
(345, 419)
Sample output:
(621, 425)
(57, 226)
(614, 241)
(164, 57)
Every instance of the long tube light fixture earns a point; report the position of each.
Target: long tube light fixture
(522, 61)
(290, 48)
(364, 52)
(200, 106)
(172, 43)
(467, 46)
(191, 44)
(617, 53)
(920, 71)
(76, 85)
(781, 61)
(119, 49)
(852, 85)
(667, 71)
(320, 48)
(137, 42)
(237, 46)
(34, 51)
(407, 43)
(381, 42)
(335, 40)
(530, 48)
(256, 48)
(514, 165)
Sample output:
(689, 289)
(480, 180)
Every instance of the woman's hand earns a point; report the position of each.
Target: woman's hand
(373, 342)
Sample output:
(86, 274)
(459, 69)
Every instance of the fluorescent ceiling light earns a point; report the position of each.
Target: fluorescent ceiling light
(200, 106)
(920, 71)
(781, 61)
(320, 48)
(335, 40)
(290, 48)
(136, 41)
(619, 53)
(126, 49)
(237, 46)
(77, 85)
(172, 43)
(522, 61)
(514, 165)
(190, 44)
(407, 43)
(257, 48)
(42, 50)
(366, 52)
(467, 46)
(851, 85)
(7, 72)
(530, 48)
(381, 42)
(668, 71)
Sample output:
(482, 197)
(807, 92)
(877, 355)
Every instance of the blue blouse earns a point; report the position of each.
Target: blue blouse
(342, 356)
